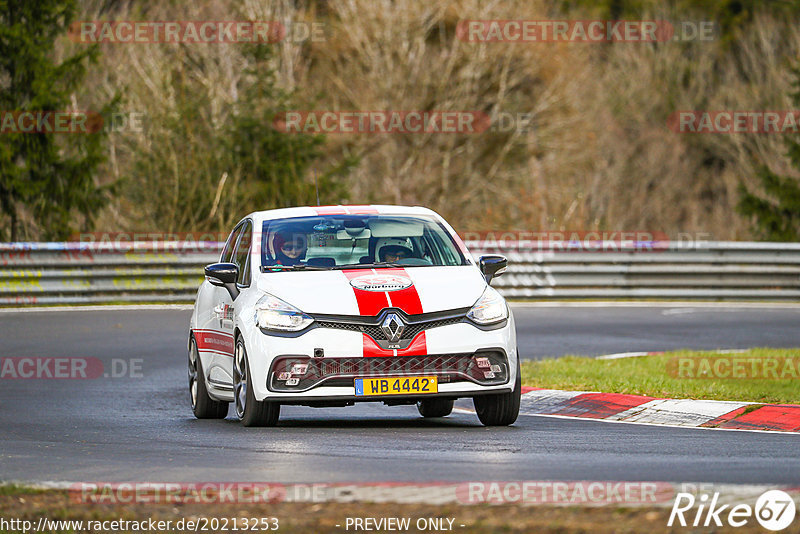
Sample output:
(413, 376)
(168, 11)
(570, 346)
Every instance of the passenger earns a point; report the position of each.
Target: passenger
(290, 249)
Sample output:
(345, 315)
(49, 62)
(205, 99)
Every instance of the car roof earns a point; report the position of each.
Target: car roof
(311, 211)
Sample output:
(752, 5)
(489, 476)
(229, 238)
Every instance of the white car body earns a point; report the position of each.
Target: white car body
(334, 297)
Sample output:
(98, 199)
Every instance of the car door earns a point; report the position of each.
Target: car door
(226, 307)
(214, 333)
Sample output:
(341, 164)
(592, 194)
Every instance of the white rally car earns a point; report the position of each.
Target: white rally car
(328, 306)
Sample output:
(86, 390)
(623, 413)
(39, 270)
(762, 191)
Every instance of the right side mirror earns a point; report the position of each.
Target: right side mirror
(224, 275)
(492, 265)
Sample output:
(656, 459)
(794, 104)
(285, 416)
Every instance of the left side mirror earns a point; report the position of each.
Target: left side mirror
(492, 265)
(224, 275)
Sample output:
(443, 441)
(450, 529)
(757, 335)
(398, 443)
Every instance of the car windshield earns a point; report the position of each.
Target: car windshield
(356, 241)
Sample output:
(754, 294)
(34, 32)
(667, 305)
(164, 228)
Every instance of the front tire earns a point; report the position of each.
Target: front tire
(435, 407)
(203, 406)
(501, 409)
(250, 411)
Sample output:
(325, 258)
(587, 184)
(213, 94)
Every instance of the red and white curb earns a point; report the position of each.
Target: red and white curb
(670, 412)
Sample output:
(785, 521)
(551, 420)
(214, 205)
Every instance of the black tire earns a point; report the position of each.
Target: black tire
(203, 406)
(253, 412)
(435, 407)
(501, 409)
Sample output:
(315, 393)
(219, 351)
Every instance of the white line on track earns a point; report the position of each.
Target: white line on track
(620, 355)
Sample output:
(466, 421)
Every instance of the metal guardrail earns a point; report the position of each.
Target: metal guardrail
(74, 273)
(83, 273)
(699, 270)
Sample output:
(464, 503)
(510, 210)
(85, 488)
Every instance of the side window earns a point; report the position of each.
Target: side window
(243, 253)
(227, 252)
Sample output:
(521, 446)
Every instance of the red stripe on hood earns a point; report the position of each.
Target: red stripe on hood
(369, 302)
(406, 299)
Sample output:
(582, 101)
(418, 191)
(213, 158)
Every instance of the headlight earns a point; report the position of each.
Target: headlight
(274, 314)
(490, 308)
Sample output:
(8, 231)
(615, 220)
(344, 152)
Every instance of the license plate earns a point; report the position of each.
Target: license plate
(404, 385)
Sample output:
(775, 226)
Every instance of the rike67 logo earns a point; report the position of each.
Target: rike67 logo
(774, 510)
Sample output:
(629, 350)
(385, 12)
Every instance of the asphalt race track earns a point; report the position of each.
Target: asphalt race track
(141, 428)
(592, 331)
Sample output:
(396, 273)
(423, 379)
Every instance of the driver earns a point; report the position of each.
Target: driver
(394, 249)
(290, 249)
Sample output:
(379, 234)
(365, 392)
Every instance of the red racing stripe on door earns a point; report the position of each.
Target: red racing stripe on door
(369, 302)
(214, 341)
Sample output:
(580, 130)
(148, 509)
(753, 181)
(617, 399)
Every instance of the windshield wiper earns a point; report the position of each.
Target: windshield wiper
(298, 267)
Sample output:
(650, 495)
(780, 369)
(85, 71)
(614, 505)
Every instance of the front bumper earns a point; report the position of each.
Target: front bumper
(464, 340)
(332, 400)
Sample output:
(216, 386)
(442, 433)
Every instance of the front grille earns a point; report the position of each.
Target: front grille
(342, 371)
(374, 330)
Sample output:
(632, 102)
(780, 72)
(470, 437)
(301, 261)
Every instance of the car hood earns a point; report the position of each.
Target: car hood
(367, 291)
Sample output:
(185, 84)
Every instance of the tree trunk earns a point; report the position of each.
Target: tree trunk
(13, 212)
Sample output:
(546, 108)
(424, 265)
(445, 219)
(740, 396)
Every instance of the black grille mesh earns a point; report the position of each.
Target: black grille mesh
(342, 371)
(375, 332)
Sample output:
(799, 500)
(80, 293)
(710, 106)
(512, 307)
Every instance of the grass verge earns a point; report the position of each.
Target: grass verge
(767, 376)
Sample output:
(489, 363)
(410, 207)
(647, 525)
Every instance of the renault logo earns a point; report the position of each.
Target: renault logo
(393, 327)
